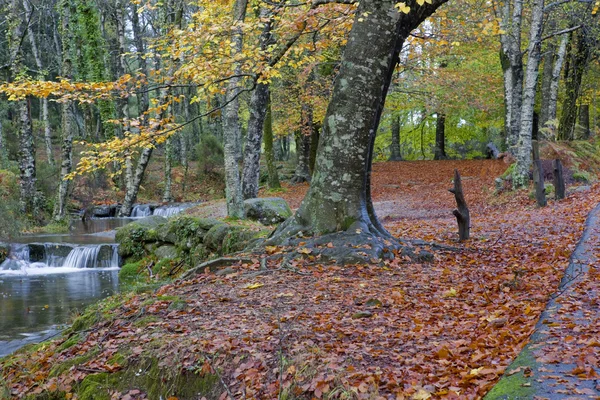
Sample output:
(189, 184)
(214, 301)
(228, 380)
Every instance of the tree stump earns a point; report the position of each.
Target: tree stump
(538, 182)
(559, 181)
(462, 211)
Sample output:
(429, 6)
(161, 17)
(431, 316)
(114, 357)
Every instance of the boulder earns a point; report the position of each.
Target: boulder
(269, 210)
(166, 252)
(132, 237)
(213, 239)
(186, 231)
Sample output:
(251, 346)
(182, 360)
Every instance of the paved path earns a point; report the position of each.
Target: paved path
(562, 359)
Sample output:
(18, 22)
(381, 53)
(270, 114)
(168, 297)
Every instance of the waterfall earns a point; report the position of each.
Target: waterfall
(48, 258)
(141, 210)
(169, 211)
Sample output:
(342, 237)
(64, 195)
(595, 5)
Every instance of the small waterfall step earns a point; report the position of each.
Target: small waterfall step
(44, 258)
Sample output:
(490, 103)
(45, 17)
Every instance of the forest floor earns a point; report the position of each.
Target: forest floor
(445, 329)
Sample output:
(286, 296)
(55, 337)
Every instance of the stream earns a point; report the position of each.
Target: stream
(47, 279)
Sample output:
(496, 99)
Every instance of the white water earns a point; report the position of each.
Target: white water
(78, 259)
(141, 210)
(169, 211)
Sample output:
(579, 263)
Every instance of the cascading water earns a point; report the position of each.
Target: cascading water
(52, 258)
(141, 210)
(169, 211)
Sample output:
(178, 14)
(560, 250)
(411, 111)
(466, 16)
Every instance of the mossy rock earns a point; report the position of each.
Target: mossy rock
(517, 385)
(238, 239)
(132, 237)
(213, 240)
(186, 231)
(130, 272)
(199, 254)
(166, 252)
(269, 210)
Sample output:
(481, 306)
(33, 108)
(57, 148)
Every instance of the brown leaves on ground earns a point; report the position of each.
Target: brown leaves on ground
(402, 331)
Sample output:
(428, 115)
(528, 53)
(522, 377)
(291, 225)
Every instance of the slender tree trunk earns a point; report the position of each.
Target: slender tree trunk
(27, 165)
(134, 179)
(523, 156)
(273, 179)
(302, 173)
(314, 146)
(66, 164)
(549, 60)
(579, 59)
(258, 110)
(232, 132)
(396, 154)
(167, 194)
(440, 138)
(553, 95)
(40, 66)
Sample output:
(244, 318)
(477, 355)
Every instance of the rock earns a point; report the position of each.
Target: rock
(199, 254)
(237, 239)
(132, 237)
(362, 314)
(186, 231)
(37, 252)
(579, 189)
(213, 239)
(166, 251)
(101, 211)
(269, 211)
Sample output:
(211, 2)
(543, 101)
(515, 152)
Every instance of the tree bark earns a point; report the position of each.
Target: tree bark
(254, 134)
(27, 165)
(339, 197)
(40, 66)
(559, 180)
(462, 211)
(273, 176)
(302, 173)
(232, 131)
(549, 60)
(523, 156)
(580, 54)
(395, 153)
(558, 64)
(440, 138)
(583, 128)
(66, 164)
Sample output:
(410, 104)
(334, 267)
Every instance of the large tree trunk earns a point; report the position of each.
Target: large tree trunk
(580, 53)
(583, 127)
(549, 60)
(338, 200)
(440, 138)
(395, 154)
(232, 131)
(523, 157)
(167, 193)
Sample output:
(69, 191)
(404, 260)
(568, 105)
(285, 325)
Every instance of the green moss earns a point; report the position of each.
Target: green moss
(548, 188)
(66, 365)
(582, 176)
(515, 386)
(130, 272)
(61, 226)
(154, 381)
(509, 171)
(70, 342)
(145, 321)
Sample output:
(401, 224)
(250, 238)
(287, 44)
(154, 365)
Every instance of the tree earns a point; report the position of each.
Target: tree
(339, 199)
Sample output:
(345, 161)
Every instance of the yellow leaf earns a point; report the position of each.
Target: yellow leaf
(475, 371)
(402, 7)
(450, 293)
(420, 2)
(254, 285)
(304, 250)
(422, 394)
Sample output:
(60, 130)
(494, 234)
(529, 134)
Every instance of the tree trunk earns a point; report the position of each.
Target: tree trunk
(583, 128)
(258, 110)
(462, 211)
(559, 180)
(339, 197)
(232, 131)
(27, 167)
(273, 179)
(440, 138)
(302, 173)
(395, 153)
(580, 52)
(66, 164)
(167, 195)
(549, 60)
(523, 156)
(553, 94)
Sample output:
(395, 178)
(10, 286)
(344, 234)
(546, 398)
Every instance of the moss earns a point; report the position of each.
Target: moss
(236, 239)
(548, 188)
(509, 171)
(61, 226)
(582, 176)
(154, 381)
(178, 305)
(512, 387)
(67, 364)
(120, 358)
(70, 342)
(130, 272)
(145, 321)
